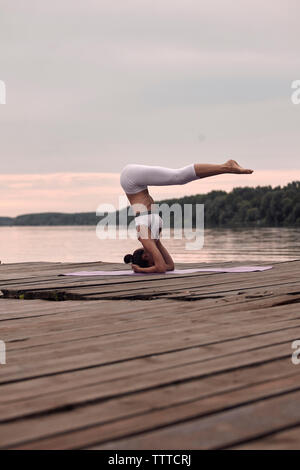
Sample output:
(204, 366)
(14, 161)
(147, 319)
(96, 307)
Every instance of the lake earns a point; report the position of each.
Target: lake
(80, 243)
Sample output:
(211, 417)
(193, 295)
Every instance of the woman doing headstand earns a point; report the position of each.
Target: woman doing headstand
(135, 179)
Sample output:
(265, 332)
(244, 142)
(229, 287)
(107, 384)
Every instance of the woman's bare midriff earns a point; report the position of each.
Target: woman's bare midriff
(141, 201)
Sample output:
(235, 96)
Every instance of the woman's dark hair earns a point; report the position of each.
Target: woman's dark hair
(136, 258)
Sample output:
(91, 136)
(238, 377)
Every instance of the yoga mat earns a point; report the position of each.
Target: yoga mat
(127, 272)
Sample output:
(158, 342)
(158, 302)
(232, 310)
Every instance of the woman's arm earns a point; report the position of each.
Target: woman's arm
(151, 269)
(160, 265)
(166, 256)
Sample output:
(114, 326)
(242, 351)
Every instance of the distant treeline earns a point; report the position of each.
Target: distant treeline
(262, 206)
(51, 218)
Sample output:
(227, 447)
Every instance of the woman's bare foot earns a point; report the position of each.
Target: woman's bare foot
(231, 166)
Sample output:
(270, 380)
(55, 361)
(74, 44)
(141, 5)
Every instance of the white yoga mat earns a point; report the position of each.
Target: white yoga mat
(127, 272)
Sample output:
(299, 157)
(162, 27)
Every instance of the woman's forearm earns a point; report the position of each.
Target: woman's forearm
(151, 269)
(166, 256)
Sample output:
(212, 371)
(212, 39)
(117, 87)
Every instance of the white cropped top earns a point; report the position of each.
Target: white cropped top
(153, 221)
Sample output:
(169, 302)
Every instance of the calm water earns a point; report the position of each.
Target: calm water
(78, 244)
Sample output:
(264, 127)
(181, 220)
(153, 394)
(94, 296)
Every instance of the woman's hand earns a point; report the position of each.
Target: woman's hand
(151, 269)
(136, 268)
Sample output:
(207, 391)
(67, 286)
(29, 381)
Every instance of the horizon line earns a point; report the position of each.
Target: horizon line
(162, 200)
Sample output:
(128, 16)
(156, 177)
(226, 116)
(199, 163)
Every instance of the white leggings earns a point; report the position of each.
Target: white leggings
(136, 178)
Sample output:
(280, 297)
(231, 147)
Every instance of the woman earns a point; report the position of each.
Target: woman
(135, 179)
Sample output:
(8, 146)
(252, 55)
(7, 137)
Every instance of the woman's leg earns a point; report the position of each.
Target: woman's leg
(136, 178)
(203, 170)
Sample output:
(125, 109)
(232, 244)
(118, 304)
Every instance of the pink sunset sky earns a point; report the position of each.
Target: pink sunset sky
(83, 192)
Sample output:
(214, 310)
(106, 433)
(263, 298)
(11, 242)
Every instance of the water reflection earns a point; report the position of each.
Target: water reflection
(78, 244)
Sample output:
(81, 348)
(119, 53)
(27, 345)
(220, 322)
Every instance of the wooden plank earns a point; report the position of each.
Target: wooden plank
(282, 440)
(13, 309)
(214, 283)
(89, 433)
(55, 330)
(100, 285)
(224, 283)
(53, 281)
(49, 332)
(77, 378)
(179, 333)
(222, 430)
(79, 354)
(233, 303)
(28, 271)
(163, 308)
(116, 379)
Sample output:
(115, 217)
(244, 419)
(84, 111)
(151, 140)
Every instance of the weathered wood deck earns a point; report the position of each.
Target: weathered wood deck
(194, 361)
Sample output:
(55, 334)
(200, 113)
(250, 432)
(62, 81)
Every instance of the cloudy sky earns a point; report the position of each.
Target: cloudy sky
(95, 84)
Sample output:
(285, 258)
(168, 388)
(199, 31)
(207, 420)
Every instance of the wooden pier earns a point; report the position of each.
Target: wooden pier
(193, 361)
